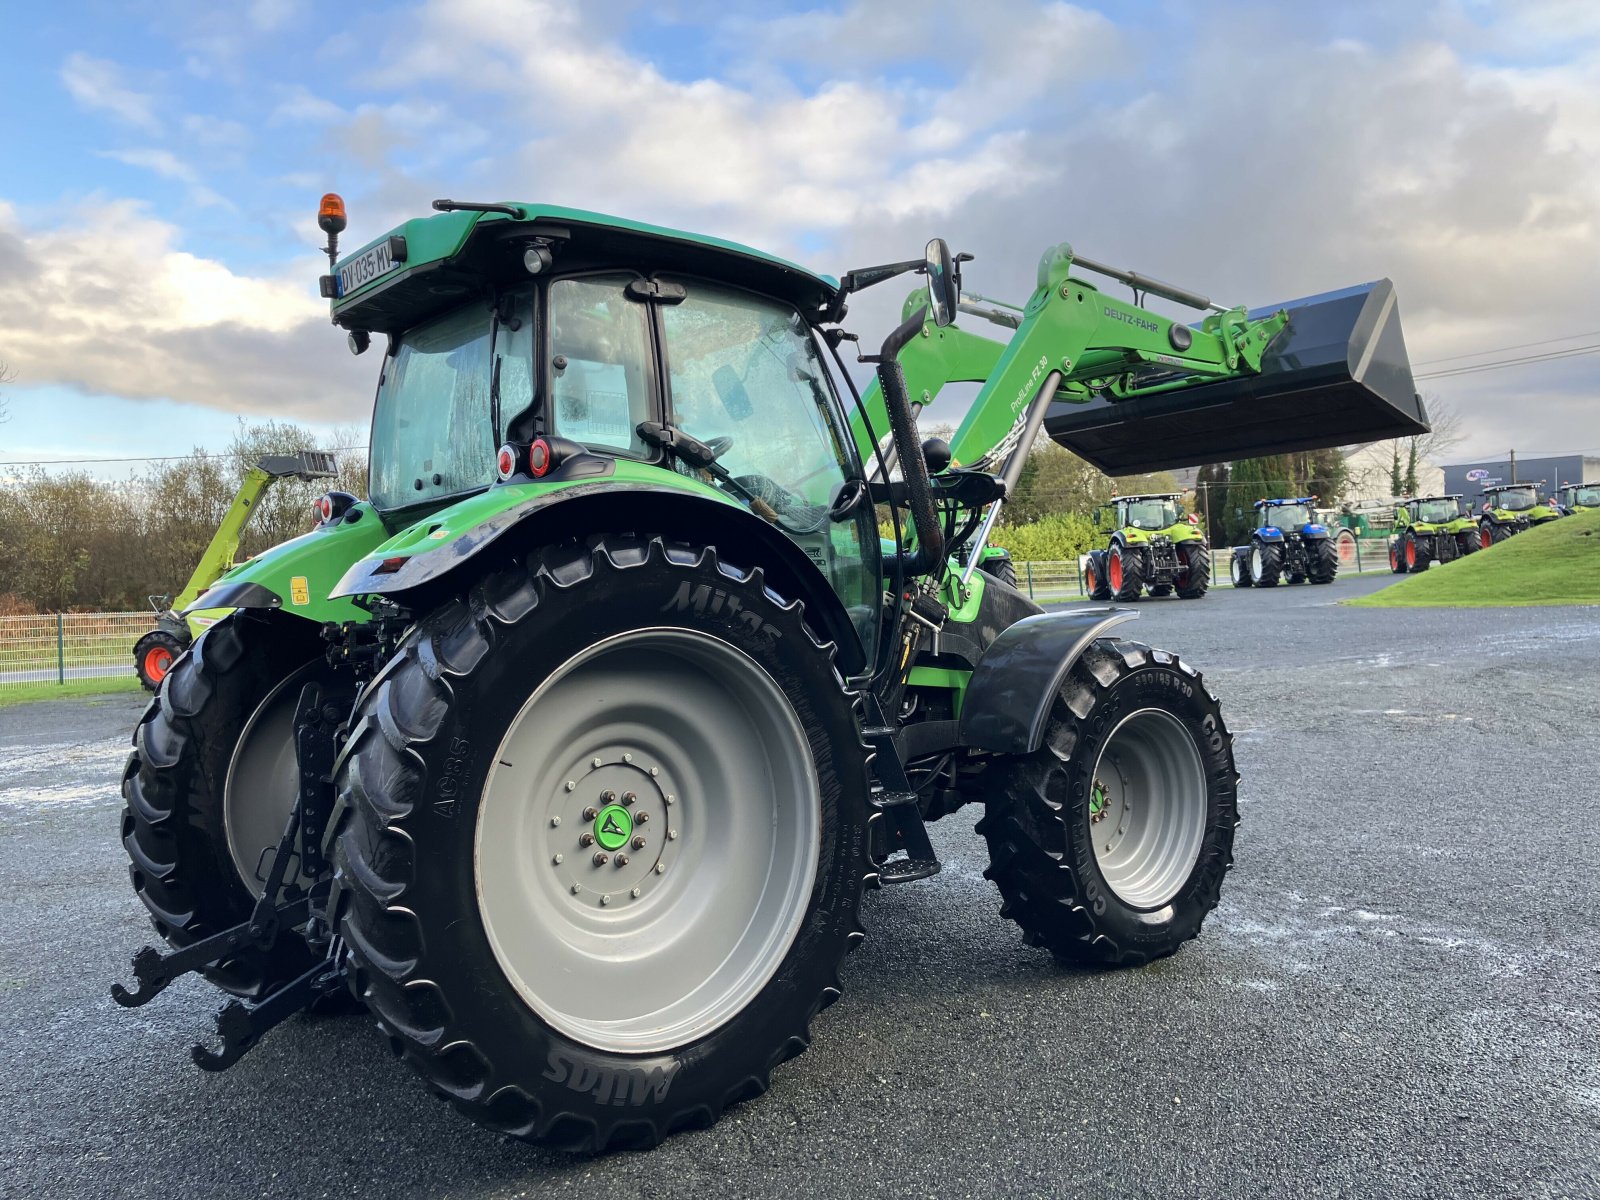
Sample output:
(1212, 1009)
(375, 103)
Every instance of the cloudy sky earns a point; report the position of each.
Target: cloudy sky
(162, 163)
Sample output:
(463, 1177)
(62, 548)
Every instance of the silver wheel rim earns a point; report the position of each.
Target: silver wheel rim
(1236, 568)
(658, 942)
(263, 784)
(1148, 808)
(1255, 562)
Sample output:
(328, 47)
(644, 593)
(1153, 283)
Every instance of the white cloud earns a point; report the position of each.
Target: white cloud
(107, 301)
(163, 162)
(98, 85)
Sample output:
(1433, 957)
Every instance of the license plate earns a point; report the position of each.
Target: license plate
(366, 267)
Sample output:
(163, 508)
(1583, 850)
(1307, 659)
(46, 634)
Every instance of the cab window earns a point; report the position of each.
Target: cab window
(599, 366)
(431, 430)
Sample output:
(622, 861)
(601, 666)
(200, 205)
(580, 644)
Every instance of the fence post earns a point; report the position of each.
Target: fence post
(61, 650)
(1028, 566)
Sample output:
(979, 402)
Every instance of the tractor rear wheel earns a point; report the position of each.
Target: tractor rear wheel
(1397, 560)
(1109, 842)
(1125, 573)
(1001, 568)
(1239, 568)
(1194, 570)
(1266, 563)
(1094, 576)
(605, 842)
(209, 787)
(1323, 565)
(153, 656)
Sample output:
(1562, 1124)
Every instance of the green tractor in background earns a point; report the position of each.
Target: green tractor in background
(155, 651)
(571, 751)
(1153, 545)
(1578, 497)
(1510, 508)
(1430, 529)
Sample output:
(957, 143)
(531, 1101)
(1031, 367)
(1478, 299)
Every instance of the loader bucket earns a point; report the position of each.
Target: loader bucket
(1337, 376)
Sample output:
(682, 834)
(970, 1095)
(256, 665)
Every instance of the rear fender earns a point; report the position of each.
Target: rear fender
(427, 577)
(1008, 699)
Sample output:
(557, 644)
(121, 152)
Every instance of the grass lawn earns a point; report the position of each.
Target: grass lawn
(1558, 563)
(26, 693)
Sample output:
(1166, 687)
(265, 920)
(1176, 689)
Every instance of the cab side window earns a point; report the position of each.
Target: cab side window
(599, 363)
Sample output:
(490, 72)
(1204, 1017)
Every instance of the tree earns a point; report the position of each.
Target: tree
(1411, 468)
(1395, 481)
(6, 376)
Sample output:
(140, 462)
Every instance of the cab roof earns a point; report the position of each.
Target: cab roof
(1149, 496)
(436, 261)
(1292, 500)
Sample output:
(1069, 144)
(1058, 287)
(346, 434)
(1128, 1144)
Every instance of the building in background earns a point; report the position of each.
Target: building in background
(1468, 478)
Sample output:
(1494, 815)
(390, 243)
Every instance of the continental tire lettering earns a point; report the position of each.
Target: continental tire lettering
(706, 601)
(617, 1086)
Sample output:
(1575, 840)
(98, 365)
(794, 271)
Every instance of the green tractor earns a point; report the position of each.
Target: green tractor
(1153, 545)
(1430, 529)
(1578, 497)
(1288, 544)
(1510, 508)
(600, 715)
(155, 651)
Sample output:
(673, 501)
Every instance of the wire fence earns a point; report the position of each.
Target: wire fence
(60, 648)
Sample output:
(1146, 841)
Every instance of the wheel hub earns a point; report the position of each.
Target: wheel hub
(610, 831)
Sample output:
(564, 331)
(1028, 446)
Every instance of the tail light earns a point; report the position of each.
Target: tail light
(505, 463)
(539, 458)
(329, 509)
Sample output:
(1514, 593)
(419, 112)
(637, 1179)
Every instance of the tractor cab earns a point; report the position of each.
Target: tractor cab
(1287, 516)
(528, 346)
(1430, 511)
(1579, 497)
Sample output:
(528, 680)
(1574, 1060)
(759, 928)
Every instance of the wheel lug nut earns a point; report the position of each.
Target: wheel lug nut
(605, 899)
(591, 813)
(671, 799)
(554, 821)
(556, 860)
(594, 762)
(622, 860)
(572, 785)
(638, 843)
(576, 888)
(627, 758)
(642, 818)
(608, 797)
(586, 839)
(635, 893)
(672, 835)
(661, 869)
(601, 858)
(629, 797)
(655, 770)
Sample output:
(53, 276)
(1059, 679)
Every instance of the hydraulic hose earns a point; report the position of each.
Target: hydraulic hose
(903, 425)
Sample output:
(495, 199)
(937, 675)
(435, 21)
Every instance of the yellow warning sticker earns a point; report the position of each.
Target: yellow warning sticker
(299, 590)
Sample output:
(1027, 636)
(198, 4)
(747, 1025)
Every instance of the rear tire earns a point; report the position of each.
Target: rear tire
(446, 859)
(1323, 559)
(1467, 542)
(175, 825)
(1094, 576)
(1123, 894)
(1125, 573)
(1001, 568)
(1194, 570)
(1266, 563)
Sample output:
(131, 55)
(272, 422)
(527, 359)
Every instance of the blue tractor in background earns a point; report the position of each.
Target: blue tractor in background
(1288, 544)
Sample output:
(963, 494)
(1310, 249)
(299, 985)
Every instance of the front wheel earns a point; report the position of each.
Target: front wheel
(605, 844)
(1109, 842)
(1266, 563)
(153, 656)
(1239, 568)
(1094, 576)
(1125, 573)
(1486, 534)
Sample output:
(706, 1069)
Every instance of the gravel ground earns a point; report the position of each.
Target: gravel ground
(1399, 996)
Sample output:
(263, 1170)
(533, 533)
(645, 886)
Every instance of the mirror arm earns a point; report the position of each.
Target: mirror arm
(865, 277)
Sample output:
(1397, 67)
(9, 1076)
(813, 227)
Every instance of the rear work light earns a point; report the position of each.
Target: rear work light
(539, 457)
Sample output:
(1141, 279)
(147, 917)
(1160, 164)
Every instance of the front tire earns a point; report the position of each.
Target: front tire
(1094, 576)
(1417, 553)
(1109, 843)
(682, 970)
(153, 656)
(1266, 563)
(1239, 568)
(1000, 567)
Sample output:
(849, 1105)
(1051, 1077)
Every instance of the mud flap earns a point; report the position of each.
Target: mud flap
(1008, 699)
(1337, 376)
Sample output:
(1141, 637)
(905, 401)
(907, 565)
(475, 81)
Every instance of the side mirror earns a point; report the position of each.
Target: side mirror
(944, 283)
(730, 390)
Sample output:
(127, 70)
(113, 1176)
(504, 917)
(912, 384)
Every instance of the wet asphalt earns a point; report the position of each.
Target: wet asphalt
(1399, 995)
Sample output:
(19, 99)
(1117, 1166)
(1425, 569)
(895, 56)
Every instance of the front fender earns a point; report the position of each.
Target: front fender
(1008, 699)
(416, 569)
(1270, 534)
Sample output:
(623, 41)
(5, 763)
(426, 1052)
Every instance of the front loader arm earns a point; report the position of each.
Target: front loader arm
(1101, 345)
(218, 556)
